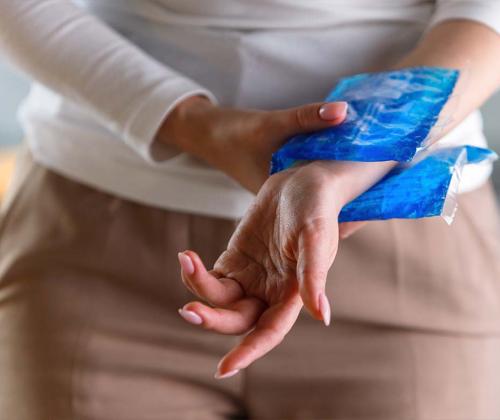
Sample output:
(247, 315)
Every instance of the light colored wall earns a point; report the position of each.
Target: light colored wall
(14, 87)
(491, 114)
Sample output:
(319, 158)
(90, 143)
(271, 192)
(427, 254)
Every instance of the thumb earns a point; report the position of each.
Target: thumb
(317, 248)
(312, 117)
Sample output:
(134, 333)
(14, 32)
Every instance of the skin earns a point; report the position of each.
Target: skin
(279, 256)
(241, 142)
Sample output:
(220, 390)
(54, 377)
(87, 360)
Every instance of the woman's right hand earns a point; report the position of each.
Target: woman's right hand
(241, 142)
(276, 261)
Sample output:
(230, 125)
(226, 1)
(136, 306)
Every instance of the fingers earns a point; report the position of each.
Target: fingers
(234, 314)
(317, 249)
(237, 320)
(270, 330)
(346, 229)
(218, 292)
(312, 117)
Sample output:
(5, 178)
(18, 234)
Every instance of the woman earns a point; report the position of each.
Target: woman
(148, 131)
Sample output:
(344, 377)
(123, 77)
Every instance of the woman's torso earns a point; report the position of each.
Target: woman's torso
(263, 54)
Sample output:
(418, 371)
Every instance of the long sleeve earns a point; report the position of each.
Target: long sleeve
(76, 55)
(486, 12)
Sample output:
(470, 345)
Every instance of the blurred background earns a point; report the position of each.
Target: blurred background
(14, 87)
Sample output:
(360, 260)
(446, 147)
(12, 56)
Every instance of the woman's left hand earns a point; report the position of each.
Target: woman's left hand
(276, 261)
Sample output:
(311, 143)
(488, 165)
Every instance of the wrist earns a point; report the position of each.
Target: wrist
(350, 179)
(327, 181)
(184, 123)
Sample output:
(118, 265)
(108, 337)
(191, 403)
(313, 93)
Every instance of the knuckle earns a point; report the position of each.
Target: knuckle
(315, 228)
(311, 276)
(195, 279)
(302, 118)
(187, 285)
(210, 321)
(277, 335)
(195, 307)
(209, 324)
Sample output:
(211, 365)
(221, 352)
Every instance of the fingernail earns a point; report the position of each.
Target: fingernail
(324, 308)
(226, 375)
(190, 316)
(186, 263)
(332, 110)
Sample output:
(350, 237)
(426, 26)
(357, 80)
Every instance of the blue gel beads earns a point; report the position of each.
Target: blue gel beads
(389, 117)
(414, 190)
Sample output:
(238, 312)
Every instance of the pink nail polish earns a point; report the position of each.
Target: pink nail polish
(186, 263)
(226, 375)
(333, 111)
(190, 316)
(324, 308)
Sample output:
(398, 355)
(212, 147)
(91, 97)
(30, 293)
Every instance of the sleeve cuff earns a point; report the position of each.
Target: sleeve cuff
(485, 12)
(141, 130)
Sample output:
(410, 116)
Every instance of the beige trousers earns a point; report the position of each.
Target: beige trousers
(89, 291)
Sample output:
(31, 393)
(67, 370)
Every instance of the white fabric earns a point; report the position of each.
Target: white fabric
(105, 84)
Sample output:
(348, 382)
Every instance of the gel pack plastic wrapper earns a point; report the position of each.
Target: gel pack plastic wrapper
(389, 117)
(426, 187)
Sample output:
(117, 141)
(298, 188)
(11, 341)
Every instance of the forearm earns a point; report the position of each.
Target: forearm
(84, 60)
(470, 47)
(465, 45)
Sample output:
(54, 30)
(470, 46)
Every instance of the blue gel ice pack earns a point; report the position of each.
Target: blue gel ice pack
(426, 187)
(389, 117)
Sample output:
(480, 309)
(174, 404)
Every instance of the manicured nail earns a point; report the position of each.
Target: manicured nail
(333, 111)
(324, 308)
(186, 263)
(190, 316)
(226, 375)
